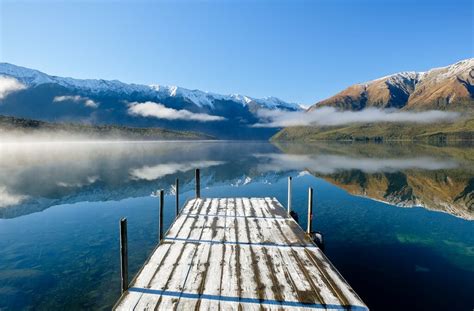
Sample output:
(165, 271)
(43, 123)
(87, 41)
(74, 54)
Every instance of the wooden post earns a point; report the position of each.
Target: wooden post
(123, 255)
(162, 205)
(198, 183)
(289, 195)
(176, 187)
(310, 210)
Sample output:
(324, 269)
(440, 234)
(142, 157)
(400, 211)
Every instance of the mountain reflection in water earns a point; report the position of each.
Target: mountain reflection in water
(437, 178)
(60, 204)
(34, 177)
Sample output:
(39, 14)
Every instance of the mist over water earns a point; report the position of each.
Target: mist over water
(388, 212)
(330, 116)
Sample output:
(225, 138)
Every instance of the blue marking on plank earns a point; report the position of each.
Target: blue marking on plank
(235, 216)
(246, 299)
(239, 243)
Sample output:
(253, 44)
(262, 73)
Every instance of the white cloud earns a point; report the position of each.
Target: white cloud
(160, 170)
(156, 110)
(9, 199)
(327, 116)
(89, 180)
(77, 99)
(9, 85)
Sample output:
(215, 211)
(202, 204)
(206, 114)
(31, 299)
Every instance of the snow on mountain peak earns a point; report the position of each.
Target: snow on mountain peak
(31, 77)
(203, 98)
(463, 67)
(397, 78)
(451, 71)
(24, 75)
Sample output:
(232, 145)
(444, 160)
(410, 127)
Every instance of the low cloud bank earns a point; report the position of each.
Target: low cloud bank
(329, 116)
(329, 164)
(77, 99)
(159, 111)
(9, 85)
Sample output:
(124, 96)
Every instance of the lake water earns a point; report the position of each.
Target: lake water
(397, 219)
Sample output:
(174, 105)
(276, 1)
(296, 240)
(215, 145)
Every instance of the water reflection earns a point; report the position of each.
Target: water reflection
(61, 203)
(407, 175)
(329, 164)
(34, 177)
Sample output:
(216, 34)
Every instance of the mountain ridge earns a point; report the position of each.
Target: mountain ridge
(32, 94)
(449, 88)
(33, 77)
(442, 88)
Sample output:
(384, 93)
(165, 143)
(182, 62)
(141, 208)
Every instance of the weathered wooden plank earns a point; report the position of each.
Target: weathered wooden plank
(189, 265)
(148, 300)
(189, 206)
(144, 277)
(301, 281)
(222, 207)
(258, 205)
(230, 230)
(212, 284)
(197, 273)
(213, 207)
(180, 223)
(230, 207)
(338, 281)
(230, 286)
(209, 228)
(250, 210)
(316, 279)
(239, 208)
(241, 231)
(178, 278)
(248, 284)
(196, 278)
(276, 209)
(197, 228)
(160, 278)
(264, 227)
(153, 264)
(249, 287)
(237, 254)
(283, 284)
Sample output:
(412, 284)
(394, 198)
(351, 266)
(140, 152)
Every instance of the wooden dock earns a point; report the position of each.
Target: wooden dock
(237, 254)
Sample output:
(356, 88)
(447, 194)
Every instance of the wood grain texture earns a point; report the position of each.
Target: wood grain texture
(237, 254)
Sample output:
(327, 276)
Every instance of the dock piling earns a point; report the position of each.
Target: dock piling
(289, 195)
(310, 210)
(123, 255)
(162, 205)
(198, 183)
(176, 187)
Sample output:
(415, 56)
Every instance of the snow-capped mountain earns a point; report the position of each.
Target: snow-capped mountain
(30, 93)
(201, 98)
(31, 78)
(445, 88)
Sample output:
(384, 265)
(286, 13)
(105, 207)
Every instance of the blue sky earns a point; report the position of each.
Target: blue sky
(300, 51)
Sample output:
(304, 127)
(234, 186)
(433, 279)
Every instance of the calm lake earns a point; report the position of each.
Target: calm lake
(398, 219)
